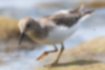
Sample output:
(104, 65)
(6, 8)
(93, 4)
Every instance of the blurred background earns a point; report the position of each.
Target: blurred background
(23, 57)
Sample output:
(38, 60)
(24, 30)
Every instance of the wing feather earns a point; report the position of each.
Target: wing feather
(66, 19)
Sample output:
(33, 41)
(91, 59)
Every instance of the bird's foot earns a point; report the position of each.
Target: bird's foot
(41, 56)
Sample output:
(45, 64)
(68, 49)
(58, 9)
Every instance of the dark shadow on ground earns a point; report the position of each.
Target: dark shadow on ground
(77, 62)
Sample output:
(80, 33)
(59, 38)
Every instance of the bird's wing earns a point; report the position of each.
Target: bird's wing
(65, 19)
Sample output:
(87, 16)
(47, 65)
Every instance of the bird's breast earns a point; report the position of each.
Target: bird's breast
(56, 35)
(60, 33)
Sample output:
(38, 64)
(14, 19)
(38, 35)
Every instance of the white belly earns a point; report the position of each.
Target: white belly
(59, 34)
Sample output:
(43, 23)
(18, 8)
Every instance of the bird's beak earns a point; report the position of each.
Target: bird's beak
(21, 37)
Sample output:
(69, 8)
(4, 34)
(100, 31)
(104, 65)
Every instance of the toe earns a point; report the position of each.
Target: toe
(41, 56)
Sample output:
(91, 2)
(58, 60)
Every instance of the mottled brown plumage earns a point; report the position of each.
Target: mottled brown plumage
(68, 19)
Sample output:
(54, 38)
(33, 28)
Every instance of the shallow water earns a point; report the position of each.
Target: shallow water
(91, 28)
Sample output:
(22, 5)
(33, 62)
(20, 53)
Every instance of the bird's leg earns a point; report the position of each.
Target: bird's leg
(45, 53)
(56, 61)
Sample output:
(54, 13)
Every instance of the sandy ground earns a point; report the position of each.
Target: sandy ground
(89, 55)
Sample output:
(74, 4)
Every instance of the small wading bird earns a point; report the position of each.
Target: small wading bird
(53, 29)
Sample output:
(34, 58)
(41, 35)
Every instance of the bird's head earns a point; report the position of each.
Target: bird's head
(26, 24)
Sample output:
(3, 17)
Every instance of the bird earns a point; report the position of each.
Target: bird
(54, 28)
